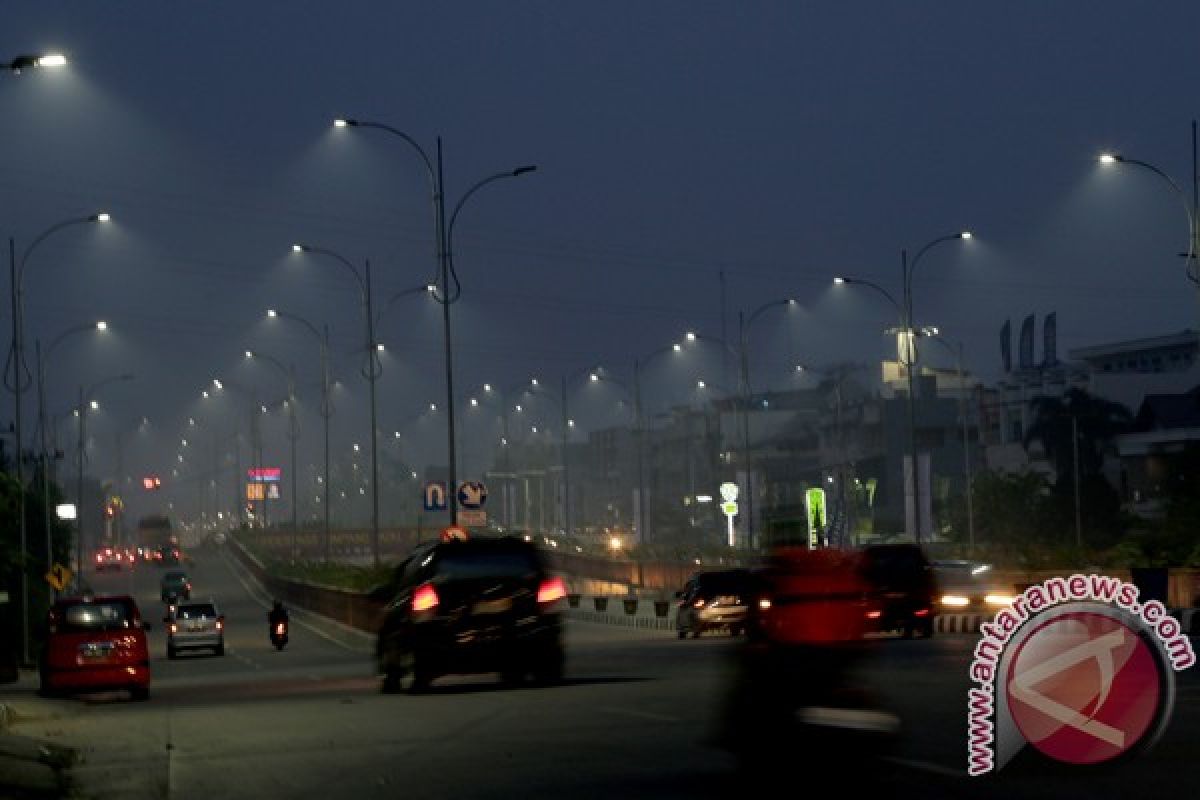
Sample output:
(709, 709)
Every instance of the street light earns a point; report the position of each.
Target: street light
(289, 373)
(30, 61)
(443, 233)
(326, 406)
(907, 351)
(19, 379)
(640, 425)
(1190, 209)
(371, 371)
(42, 358)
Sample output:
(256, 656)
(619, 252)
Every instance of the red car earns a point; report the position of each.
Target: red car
(96, 644)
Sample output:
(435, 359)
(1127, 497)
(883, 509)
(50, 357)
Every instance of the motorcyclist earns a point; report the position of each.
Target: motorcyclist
(805, 640)
(277, 614)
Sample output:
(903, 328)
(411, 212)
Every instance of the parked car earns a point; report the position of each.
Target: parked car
(195, 626)
(903, 593)
(95, 644)
(714, 601)
(175, 584)
(470, 606)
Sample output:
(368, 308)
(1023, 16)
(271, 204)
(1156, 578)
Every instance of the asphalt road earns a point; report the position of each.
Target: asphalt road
(631, 721)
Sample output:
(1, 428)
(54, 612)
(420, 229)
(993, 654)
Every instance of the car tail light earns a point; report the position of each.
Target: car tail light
(425, 598)
(922, 612)
(281, 629)
(220, 625)
(698, 603)
(764, 603)
(875, 614)
(174, 628)
(551, 589)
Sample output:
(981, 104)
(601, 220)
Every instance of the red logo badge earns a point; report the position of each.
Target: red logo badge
(1084, 688)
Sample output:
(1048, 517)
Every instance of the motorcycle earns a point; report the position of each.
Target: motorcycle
(279, 634)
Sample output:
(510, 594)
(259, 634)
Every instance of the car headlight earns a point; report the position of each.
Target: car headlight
(955, 600)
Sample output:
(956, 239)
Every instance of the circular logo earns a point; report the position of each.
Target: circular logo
(1084, 688)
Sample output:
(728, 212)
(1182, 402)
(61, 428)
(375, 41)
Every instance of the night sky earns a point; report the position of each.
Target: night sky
(778, 144)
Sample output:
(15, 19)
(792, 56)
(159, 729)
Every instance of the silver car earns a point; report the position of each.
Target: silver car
(195, 626)
(714, 601)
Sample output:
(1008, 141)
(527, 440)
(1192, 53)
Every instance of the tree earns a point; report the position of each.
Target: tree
(1097, 421)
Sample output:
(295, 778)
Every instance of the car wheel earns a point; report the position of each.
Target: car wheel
(682, 633)
(172, 653)
(405, 672)
(220, 649)
(908, 629)
(139, 694)
(696, 633)
(927, 629)
(548, 670)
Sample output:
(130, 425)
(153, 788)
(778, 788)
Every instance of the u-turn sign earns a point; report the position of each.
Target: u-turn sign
(433, 496)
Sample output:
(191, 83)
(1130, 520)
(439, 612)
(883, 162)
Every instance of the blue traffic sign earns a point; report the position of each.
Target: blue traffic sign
(472, 494)
(433, 496)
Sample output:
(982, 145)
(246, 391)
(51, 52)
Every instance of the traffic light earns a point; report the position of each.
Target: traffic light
(151, 482)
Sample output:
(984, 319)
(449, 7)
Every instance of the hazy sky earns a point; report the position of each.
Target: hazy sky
(779, 143)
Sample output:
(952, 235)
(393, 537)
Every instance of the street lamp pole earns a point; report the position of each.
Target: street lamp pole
(42, 358)
(326, 410)
(910, 336)
(443, 232)
(371, 371)
(1191, 209)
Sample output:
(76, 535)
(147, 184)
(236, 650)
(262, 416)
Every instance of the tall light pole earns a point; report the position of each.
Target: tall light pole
(371, 370)
(17, 377)
(907, 352)
(744, 324)
(85, 401)
(1190, 208)
(322, 337)
(640, 424)
(289, 373)
(443, 233)
(43, 357)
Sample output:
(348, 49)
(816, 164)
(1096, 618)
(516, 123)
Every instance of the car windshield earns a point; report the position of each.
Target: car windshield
(197, 611)
(175, 577)
(485, 562)
(103, 616)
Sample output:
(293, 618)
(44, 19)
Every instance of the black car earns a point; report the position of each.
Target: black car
(903, 589)
(470, 606)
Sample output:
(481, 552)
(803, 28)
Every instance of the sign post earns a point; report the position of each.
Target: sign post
(729, 507)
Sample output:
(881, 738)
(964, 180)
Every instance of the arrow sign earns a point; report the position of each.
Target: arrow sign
(433, 495)
(472, 494)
